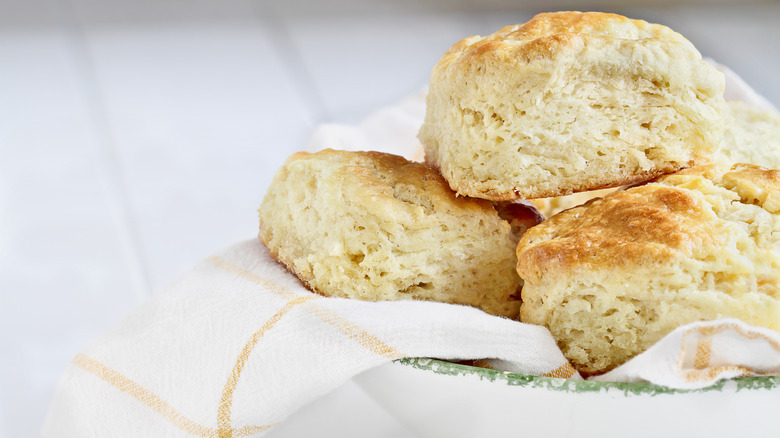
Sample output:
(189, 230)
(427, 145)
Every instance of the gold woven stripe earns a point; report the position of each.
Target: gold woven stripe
(706, 373)
(224, 414)
(360, 335)
(254, 278)
(713, 330)
(143, 395)
(251, 430)
(564, 371)
(703, 350)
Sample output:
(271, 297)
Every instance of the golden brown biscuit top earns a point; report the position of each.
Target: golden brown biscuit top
(549, 33)
(586, 23)
(646, 224)
(388, 182)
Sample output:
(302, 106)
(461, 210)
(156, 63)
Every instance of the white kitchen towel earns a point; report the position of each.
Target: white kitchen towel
(238, 343)
(391, 129)
(701, 353)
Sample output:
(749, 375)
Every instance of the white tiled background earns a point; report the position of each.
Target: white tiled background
(137, 137)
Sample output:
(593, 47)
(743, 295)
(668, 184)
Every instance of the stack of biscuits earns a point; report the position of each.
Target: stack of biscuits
(681, 223)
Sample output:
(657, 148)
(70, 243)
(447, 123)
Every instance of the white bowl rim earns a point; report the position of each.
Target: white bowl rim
(442, 367)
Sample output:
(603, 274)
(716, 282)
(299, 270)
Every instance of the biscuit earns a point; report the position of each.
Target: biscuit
(751, 135)
(614, 276)
(549, 207)
(375, 226)
(569, 102)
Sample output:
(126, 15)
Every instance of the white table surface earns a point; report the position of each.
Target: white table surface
(138, 137)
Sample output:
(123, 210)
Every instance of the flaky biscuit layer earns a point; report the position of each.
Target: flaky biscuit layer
(375, 226)
(569, 102)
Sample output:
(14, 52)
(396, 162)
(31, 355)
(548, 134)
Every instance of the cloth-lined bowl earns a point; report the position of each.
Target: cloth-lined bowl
(434, 398)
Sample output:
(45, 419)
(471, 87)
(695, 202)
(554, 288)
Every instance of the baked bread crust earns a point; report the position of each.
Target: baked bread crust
(375, 226)
(570, 102)
(613, 276)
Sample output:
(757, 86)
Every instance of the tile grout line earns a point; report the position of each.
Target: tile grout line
(106, 150)
(289, 57)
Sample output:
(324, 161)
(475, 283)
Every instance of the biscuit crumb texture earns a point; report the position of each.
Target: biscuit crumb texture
(612, 277)
(751, 135)
(569, 102)
(375, 226)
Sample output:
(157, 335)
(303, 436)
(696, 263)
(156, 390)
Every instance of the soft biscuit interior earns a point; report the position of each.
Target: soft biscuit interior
(374, 226)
